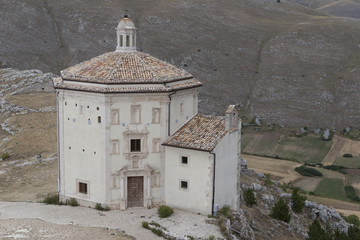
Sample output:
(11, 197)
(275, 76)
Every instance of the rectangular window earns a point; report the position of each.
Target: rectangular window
(135, 145)
(184, 160)
(83, 188)
(81, 109)
(156, 115)
(99, 119)
(135, 114)
(156, 145)
(115, 116)
(184, 185)
(155, 180)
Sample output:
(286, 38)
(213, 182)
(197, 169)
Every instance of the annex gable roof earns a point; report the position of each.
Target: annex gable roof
(202, 132)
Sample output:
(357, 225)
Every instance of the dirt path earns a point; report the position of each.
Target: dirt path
(181, 223)
(281, 168)
(341, 146)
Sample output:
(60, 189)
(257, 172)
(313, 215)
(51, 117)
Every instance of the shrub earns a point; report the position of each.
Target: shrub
(211, 237)
(353, 233)
(158, 232)
(165, 211)
(335, 168)
(145, 225)
(249, 197)
(52, 199)
(308, 172)
(5, 156)
(281, 211)
(100, 207)
(348, 155)
(351, 194)
(72, 202)
(268, 180)
(311, 193)
(298, 201)
(353, 219)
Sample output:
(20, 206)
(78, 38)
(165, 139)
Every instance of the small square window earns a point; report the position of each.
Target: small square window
(83, 188)
(135, 145)
(184, 160)
(184, 185)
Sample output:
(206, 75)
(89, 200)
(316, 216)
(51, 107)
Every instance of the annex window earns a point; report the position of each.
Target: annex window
(115, 147)
(83, 188)
(184, 185)
(115, 116)
(135, 114)
(156, 115)
(184, 160)
(156, 145)
(135, 145)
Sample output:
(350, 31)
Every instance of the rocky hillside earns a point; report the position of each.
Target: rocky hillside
(286, 62)
(255, 223)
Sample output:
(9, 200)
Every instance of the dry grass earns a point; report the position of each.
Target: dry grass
(283, 169)
(308, 184)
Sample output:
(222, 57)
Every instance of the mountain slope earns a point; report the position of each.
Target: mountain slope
(282, 61)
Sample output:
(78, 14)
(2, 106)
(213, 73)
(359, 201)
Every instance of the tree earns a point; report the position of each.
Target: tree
(353, 233)
(249, 197)
(281, 211)
(316, 232)
(298, 201)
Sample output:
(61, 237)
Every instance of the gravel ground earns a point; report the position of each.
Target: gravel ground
(181, 223)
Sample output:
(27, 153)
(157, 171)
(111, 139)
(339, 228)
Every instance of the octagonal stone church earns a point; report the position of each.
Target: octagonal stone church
(129, 135)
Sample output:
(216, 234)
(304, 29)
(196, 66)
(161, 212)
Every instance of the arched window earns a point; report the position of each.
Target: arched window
(127, 40)
(121, 41)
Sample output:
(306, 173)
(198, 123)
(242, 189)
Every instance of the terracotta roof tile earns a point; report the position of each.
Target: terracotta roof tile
(124, 67)
(202, 132)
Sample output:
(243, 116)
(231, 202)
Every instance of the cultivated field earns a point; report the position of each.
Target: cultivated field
(341, 146)
(309, 149)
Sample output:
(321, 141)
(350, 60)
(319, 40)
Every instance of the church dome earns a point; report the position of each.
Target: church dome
(126, 23)
(125, 70)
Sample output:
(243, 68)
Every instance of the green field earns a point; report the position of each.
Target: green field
(353, 162)
(309, 149)
(331, 188)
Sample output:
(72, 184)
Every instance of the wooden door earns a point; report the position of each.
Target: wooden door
(135, 192)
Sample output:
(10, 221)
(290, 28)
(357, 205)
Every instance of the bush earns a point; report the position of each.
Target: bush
(311, 193)
(99, 207)
(348, 155)
(72, 202)
(298, 201)
(281, 211)
(249, 197)
(353, 233)
(351, 194)
(52, 199)
(5, 156)
(308, 172)
(145, 225)
(352, 219)
(165, 211)
(335, 168)
(158, 232)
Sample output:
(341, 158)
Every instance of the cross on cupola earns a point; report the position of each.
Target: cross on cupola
(126, 35)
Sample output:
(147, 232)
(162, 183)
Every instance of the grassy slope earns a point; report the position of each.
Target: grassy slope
(331, 188)
(353, 162)
(310, 149)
